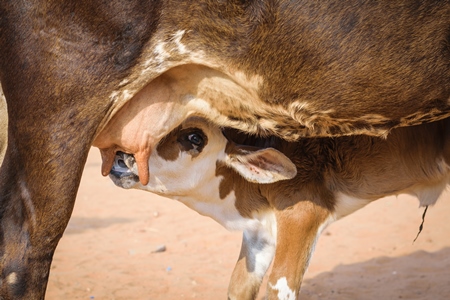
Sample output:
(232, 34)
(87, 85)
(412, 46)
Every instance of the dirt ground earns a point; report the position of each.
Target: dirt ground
(107, 251)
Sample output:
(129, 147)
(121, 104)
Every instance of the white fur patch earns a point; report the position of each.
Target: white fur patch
(222, 211)
(124, 82)
(12, 278)
(176, 38)
(114, 96)
(121, 96)
(24, 192)
(192, 180)
(429, 195)
(158, 59)
(165, 48)
(160, 55)
(284, 292)
(346, 205)
(261, 241)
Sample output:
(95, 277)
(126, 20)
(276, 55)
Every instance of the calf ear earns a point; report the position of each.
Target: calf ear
(262, 166)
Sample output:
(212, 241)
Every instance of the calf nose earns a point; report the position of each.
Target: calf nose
(130, 162)
(119, 162)
(124, 165)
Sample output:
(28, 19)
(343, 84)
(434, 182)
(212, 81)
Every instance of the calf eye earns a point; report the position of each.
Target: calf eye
(192, 140)
(195, 139)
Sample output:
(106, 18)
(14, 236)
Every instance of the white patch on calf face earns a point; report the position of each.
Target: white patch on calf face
(191, 176)
(284, 292)
(192, 180)
(177, 178)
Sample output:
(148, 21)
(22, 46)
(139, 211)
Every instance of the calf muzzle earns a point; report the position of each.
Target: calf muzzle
(124, 170)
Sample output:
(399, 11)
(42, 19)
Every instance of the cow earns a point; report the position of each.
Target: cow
(283, 194)
(286, 68)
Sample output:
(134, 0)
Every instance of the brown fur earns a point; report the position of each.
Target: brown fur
(340, 60)
(355, 165)
(248, 196)
(290, 68)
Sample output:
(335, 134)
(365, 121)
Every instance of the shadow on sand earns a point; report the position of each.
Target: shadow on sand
(79, 225)
(420, 275)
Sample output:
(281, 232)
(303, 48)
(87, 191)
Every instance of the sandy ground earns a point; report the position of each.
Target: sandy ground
(107, 250)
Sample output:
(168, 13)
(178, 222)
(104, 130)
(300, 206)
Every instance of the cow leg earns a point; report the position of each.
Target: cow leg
(64, 68)
(48, 143)
(49, 136)
(298, 228)
(257, 252)
(38, 185)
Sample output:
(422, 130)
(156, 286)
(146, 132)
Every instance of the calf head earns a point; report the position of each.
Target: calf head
(186, 159)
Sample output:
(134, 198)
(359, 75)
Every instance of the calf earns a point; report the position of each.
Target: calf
(283, 194)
